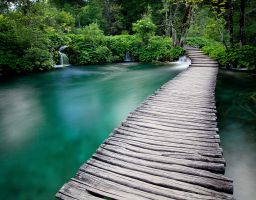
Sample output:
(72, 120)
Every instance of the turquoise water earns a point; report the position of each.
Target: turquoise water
(236, 103)
(51, 123)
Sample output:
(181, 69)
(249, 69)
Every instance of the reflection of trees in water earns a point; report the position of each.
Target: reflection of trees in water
(244, 106)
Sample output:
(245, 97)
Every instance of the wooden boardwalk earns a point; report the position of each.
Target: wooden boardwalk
(168, 148)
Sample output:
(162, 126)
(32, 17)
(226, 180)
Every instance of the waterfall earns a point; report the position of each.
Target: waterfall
(184, 60)
(63, 57)
(127, 57)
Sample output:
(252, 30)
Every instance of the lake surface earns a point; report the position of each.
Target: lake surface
(236, 103)
(50, 123)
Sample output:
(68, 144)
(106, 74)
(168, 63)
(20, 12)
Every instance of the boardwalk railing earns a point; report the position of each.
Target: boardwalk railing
(168, 148)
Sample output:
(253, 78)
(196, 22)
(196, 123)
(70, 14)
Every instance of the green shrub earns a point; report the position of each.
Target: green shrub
(83, 50)
(243, 57)
(23, 48)
(88, 46)
(159, 49)
(198, 42)
(218, 52)
(36, 60)
(144, 28)
(120, 44)
(239, 57)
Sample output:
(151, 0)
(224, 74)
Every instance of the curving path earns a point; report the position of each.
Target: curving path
(168, 148)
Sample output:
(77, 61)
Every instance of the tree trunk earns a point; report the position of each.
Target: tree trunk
(185, 23)
(167, 27)
(174, 37)
(230, 22)
(242, 33)
(107, 16)
(78, 21)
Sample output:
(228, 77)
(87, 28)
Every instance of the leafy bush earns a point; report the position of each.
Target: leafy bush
(22, 48)
(159, 49)
(88, 46)
(90, 50)
(243, 57)
(198, 42)
(65, 21)
(144, 28)
(120, 44)
(218, 52)
(238, 57)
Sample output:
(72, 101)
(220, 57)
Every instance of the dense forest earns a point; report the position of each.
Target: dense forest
(102, 31)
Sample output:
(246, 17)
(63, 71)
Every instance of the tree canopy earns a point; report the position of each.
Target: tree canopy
(31, 31)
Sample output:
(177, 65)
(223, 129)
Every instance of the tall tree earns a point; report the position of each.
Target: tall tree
(189, 5)
(241, 22)
(170, 9)
(231, 22)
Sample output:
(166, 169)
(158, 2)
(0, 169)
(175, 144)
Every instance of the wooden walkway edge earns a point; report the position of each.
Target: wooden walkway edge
(168, 148)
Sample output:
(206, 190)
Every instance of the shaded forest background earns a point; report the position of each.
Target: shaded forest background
(102, 31)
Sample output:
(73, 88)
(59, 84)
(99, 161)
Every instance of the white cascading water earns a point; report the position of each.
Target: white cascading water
(127, 57)
(63, 58)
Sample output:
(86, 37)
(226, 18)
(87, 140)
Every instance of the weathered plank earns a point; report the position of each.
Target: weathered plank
(215, 184)
(152, 189)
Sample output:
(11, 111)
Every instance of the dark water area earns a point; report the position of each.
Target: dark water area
(51, 123)
(236, 104)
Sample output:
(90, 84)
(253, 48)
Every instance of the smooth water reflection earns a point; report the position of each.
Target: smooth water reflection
(236, 101)
(51, 123)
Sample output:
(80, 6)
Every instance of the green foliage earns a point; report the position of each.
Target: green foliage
(92, 13)
(243, 57)
(239, 57)
(24, 47)
(159, 49)
(102, 49)
(120, 44)
(198, 42)
(31, 32)
(65, 20)
(208, 24)
(144, 28)
(92, 32)
(87, 46)
(218, 52)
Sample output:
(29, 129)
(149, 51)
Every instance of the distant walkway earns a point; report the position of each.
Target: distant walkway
(168, 148)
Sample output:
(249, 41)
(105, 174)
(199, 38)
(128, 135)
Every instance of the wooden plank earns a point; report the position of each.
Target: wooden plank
(172, 117)
(165, 140)
(171, 133)
(176, 154)
(173, 121)
(212, 117)
(170, 106)
(73, 190)
(153, 179)
(214, 184)
(169, 136)
(180, 116)
(159, 126)
(126, 149)
(204, 65)
(162, 144)
(107, 188)
(143, 186)
(103, 150)
(171, 102)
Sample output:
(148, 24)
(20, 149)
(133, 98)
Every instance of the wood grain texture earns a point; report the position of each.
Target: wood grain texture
(168, 148)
